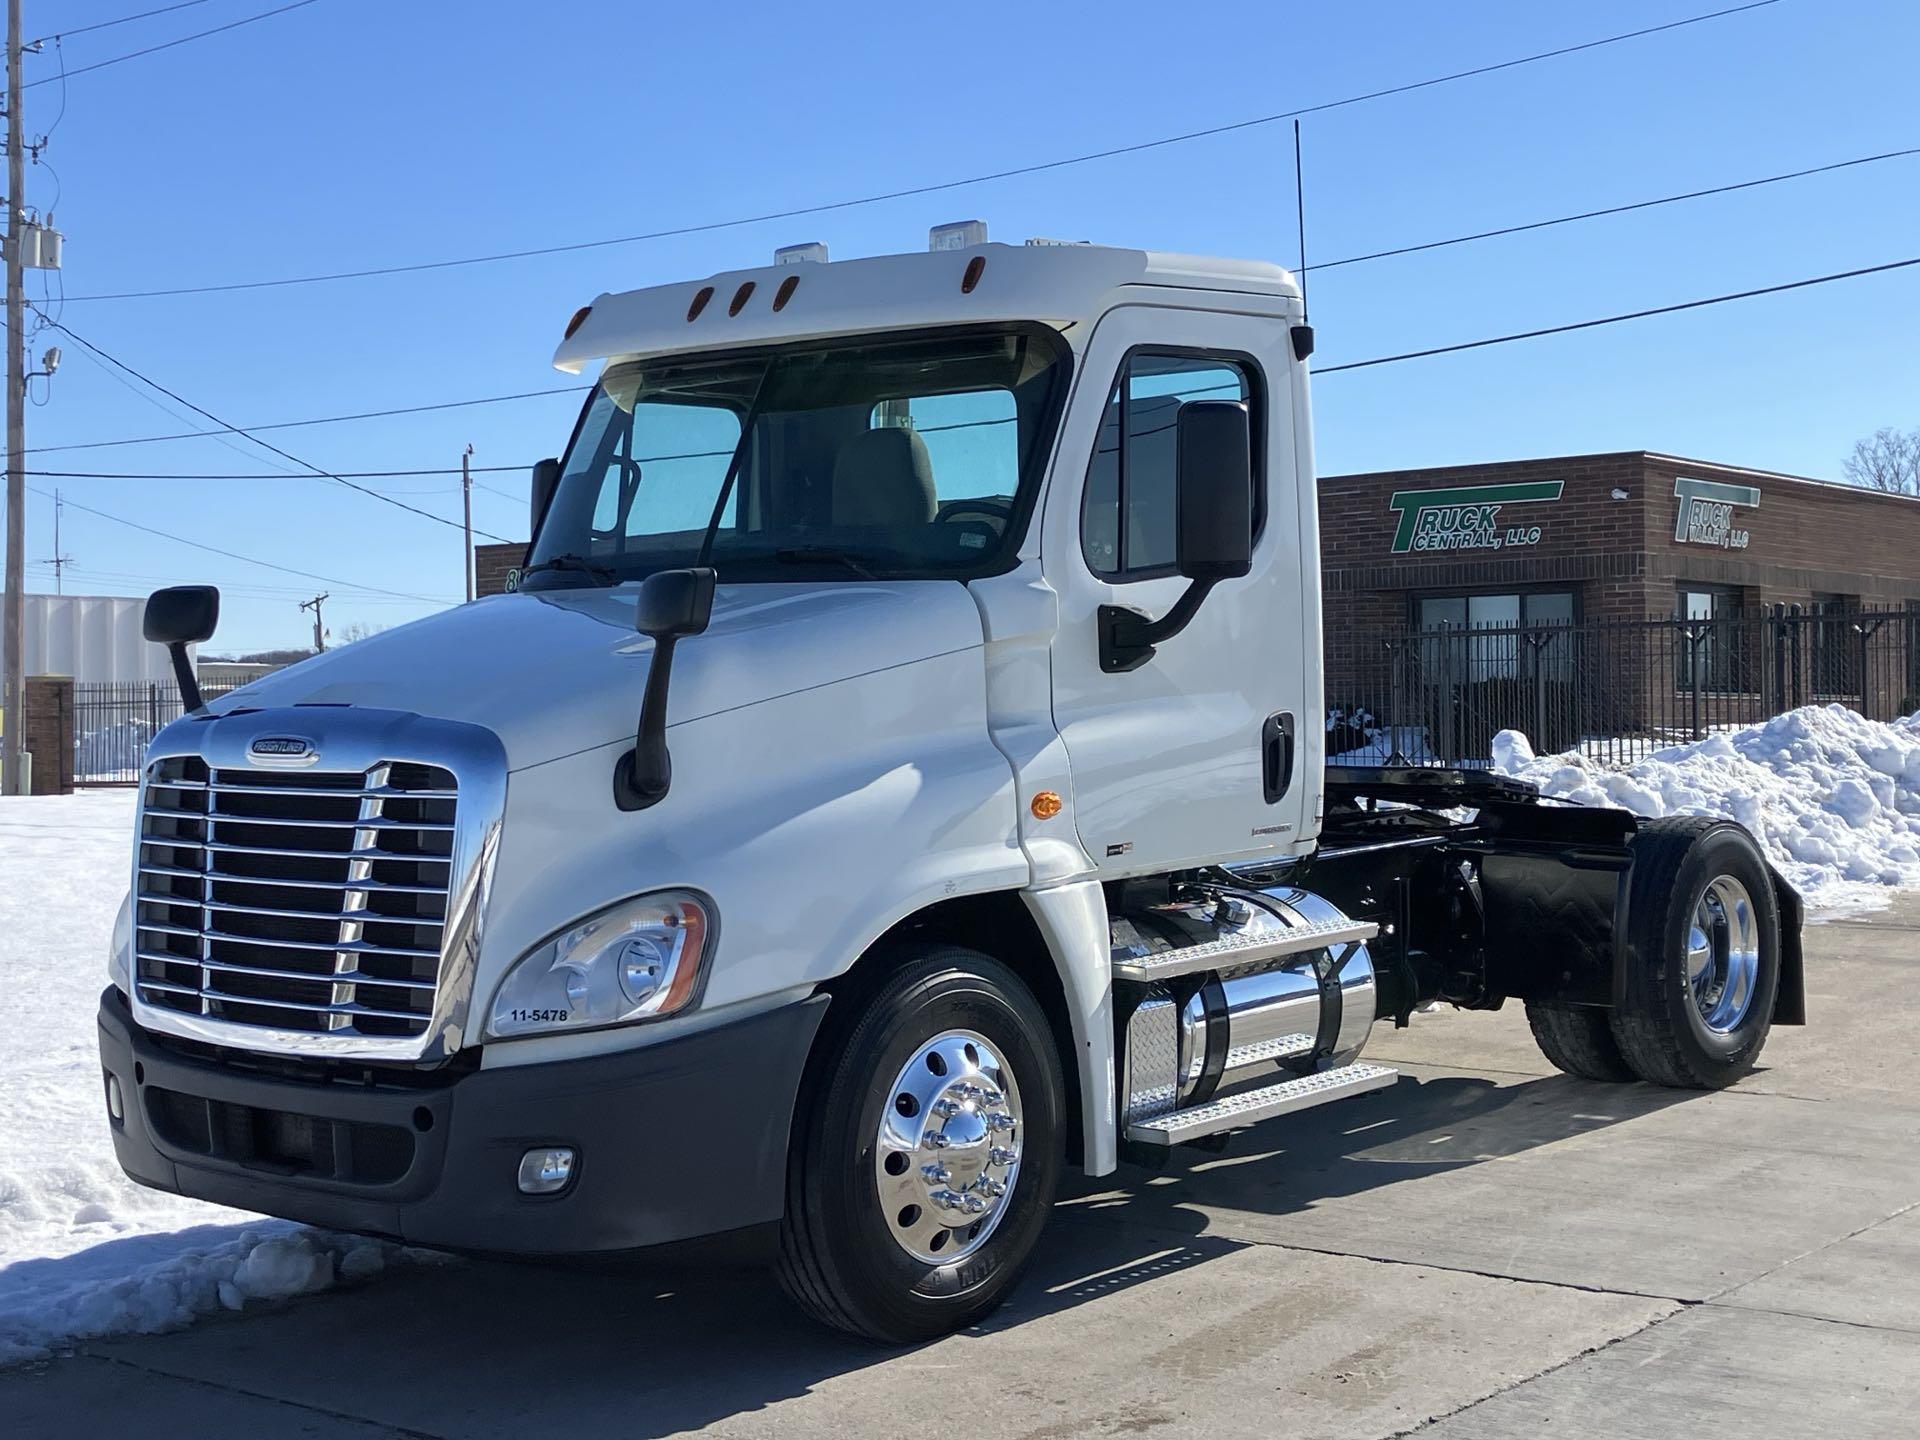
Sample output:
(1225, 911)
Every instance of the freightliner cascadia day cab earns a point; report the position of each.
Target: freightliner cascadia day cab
(899, 776)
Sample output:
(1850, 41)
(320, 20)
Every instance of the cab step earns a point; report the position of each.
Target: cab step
(1235, 952)
(1179, 1126)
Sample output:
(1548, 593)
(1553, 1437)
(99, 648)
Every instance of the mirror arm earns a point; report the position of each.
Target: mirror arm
(184, 677)
(1127, 636)
(645, 772)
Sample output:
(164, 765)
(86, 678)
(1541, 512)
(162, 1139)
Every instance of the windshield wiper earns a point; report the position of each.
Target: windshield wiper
(806, 554)
(577, 563)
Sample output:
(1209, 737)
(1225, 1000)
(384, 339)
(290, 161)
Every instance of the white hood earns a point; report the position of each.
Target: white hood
(557, 672)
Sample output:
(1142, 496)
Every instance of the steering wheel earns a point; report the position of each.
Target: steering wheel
(996, 510)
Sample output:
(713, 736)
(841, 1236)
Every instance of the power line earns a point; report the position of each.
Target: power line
(236, 555)
(318, 420)
(87, 574)
(169, 44)
(87, 344)
(1613, 210)
(261, 475)
(1036, 168)
(1617, 319)
(109, 24)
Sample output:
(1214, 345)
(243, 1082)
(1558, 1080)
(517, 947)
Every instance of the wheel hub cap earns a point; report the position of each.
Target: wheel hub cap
(1723, 954)
(948, 1151)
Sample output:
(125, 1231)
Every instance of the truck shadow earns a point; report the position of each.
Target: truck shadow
(658, 1348)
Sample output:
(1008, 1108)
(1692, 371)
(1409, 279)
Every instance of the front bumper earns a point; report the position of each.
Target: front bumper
(677, 1140)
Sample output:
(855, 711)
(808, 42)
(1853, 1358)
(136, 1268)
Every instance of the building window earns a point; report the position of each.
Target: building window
(1836, 649)
(1491, 647)
(1131, 473)
(1546, 607)
(1703, 645)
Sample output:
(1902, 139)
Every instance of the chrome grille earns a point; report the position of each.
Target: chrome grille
(295, 901)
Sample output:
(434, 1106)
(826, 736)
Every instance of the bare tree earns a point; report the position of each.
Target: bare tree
(358, 630)
(1888, 460)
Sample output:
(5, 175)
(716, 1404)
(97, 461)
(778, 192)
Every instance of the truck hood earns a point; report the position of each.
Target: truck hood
(557, 672)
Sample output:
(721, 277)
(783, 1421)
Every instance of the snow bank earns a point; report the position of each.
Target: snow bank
(45, 1304)
(85, 1252)
(1834, 798)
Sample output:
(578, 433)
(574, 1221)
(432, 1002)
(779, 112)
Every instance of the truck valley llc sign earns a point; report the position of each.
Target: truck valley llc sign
(1705, 516)
(1466, 517)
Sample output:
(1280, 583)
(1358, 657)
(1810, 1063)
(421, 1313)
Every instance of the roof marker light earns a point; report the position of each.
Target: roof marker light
(740, 297)
(579, 319)
(814, 252)
(699, 303)
(785, 292)
(975, 268)
(960, 235)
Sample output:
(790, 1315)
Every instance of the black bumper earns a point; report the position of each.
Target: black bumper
(676, 1140)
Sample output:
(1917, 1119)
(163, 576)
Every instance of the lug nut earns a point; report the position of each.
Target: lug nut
(946, 1199)
(936, 1174)
(1002, 1155)
(1000, 1120)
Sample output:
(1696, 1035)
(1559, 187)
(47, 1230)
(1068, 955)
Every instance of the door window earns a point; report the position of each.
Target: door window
(1127, 512)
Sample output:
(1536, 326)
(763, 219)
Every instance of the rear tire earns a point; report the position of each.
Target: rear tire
(948, 1066)
(1579, 1040)
(1704, 954)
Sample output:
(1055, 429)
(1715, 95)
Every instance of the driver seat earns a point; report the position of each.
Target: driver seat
(883, 479)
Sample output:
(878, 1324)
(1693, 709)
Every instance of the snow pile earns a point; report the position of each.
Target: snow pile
(83, 1250)
(48, 1303)
(1834, 798)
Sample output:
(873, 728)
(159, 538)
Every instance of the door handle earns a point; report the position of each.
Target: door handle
(1276, 755)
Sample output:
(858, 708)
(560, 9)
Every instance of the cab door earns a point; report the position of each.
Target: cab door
(1196, 755)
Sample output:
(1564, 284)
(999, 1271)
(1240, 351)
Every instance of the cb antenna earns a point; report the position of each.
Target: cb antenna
(1303, 332)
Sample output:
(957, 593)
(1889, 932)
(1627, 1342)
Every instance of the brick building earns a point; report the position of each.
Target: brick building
(1613, 593)
(1591, 537)
(493, 563)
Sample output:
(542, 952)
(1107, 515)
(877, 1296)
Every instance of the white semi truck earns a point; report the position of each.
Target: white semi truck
(898, 777)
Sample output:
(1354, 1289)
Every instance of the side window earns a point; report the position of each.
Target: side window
(1126, 519)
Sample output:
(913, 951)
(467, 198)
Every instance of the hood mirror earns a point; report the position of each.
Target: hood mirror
(179, 616)
(672, 603)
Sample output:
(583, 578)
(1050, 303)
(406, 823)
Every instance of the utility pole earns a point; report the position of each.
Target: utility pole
(319, 632)
(13, 612)
(59, 559)
(466, 511)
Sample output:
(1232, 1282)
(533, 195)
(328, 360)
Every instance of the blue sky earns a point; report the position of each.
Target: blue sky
(350, 133)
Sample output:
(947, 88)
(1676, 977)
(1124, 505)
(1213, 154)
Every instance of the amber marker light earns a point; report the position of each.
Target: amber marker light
(579, 319)
(1046, 805)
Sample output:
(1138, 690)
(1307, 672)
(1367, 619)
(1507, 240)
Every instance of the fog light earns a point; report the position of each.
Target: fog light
(545, 1171)
(116, 1107)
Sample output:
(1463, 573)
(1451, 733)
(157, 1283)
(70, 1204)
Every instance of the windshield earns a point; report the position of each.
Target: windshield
(871, 459)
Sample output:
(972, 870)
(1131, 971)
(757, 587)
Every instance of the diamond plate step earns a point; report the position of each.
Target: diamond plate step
(1262, 1104)
(1230, 954)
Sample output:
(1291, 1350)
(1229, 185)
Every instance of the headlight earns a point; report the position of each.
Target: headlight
(637, 960)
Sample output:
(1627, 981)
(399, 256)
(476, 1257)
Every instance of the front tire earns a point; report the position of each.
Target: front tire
(1704, 931)
(926, 1150)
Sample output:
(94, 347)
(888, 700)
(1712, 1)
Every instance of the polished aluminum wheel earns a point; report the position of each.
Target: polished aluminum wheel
(1723, 954)
(948, 1155)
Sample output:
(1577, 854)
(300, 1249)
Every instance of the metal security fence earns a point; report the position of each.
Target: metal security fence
(1615, 689)
(114, 721)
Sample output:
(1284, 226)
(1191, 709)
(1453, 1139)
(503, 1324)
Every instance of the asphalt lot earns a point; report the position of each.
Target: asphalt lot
(1486, 1250)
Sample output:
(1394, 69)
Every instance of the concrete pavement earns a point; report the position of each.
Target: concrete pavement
(1487, 1250)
